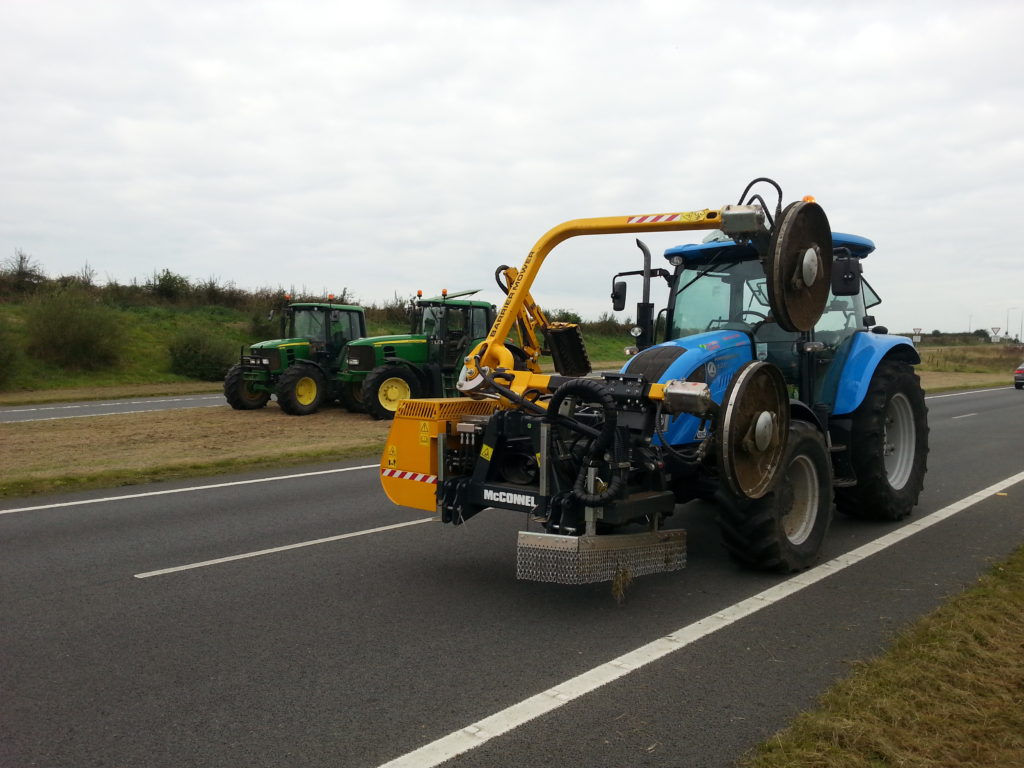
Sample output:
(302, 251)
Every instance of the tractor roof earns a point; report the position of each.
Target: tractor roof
(323, 305)
(729, 250)
(455, 299)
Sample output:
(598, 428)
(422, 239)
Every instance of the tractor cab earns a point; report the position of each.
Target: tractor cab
(720, 285)
(450, 325)
(327, 327)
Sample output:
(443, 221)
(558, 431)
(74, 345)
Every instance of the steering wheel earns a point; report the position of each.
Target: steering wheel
(737, 325)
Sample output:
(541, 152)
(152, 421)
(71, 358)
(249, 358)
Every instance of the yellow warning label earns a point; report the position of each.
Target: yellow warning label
(485, 453)
(392, 450)
(392, 463)
(424, 427)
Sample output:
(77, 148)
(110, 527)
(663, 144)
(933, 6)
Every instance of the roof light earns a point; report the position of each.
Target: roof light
(809, 199)
(330, 297)
(444, 292)
(287, 297)
(419, 293)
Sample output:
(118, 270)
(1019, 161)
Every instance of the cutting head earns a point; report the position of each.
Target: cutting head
(799, 266)
(752, 431)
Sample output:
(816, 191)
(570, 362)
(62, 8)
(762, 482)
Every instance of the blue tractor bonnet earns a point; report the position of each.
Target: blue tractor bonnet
(729, 250)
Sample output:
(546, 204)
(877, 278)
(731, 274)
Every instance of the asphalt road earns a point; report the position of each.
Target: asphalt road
(78, 410)
(176, 625)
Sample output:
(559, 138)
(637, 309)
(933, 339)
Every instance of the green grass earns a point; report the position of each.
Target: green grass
(978, 358)
(949, 692)
(145, 335)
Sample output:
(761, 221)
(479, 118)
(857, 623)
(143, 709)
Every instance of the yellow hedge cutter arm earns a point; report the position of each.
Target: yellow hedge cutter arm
(412, 465)
(492, 354)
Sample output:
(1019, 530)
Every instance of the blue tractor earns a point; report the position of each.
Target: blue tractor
(773, 393)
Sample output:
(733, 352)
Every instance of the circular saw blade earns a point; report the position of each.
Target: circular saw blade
(799, 267)
(753, 429)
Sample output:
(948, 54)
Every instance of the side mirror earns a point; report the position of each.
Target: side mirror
(619, 295)
(846, 271)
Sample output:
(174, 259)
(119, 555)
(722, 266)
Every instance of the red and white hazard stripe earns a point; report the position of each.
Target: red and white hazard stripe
(654, 218)
(402, 475)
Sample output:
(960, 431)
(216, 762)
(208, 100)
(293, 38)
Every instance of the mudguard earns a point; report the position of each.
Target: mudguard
(866, 351)
(711, 357)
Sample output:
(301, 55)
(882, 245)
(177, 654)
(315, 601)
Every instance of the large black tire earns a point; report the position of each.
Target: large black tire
(300, 390)
(238, 394)
(888, 446)
(350, 395)
(385, 387)
(784, 529)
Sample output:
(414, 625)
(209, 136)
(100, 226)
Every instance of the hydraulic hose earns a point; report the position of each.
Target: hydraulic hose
(591, 391)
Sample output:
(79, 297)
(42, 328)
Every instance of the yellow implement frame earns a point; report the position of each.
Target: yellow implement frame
(491, 353)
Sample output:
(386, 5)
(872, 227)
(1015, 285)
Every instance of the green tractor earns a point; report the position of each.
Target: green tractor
(302, 369)
(426, 362)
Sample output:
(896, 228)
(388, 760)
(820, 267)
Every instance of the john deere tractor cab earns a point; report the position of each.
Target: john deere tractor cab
(773, 393)
(426, 362)
(301, 368)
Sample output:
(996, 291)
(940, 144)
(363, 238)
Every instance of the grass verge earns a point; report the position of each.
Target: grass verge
(104, 451)
(950, 692)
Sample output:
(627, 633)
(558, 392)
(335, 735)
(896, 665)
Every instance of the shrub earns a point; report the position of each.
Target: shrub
(169, 286)
(11, 344)
(198, 355)
(69, 327)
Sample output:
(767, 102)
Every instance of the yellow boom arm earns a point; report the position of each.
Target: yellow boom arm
(491, 353)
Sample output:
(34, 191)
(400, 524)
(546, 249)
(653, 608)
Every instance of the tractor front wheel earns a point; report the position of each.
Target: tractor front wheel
(300, 390)
(385, 387)
(350, 395)
(784, 529)
(238, 393)
(888, 446)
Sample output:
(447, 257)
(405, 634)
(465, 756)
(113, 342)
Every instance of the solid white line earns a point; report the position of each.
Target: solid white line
(108, 404)
(482, 731)
(968, 392)
(110, 413)
(286, 547)
(187, 490)
(965, 415)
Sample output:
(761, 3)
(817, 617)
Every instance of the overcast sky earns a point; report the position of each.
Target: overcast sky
(382, 147)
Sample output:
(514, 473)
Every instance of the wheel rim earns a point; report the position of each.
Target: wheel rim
(305, 391)
(392, 392)
(798, 522)
(898, 440)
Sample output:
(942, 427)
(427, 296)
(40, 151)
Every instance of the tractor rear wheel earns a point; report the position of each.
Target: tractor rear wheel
(300, 390)
(888, 446)
(350, 395)
(238, 393)
(385, 387)
(784, 529)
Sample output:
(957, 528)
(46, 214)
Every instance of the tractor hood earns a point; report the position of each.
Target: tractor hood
(278, 343)
(711, 357)
(380, 341)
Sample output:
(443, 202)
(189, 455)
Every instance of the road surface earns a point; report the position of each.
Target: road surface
(297, 619)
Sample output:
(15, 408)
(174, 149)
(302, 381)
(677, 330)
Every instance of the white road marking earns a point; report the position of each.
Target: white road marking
(111, 413)
(188, 489)
(108, 404)
(968, 392)
(965, 415)
(286, 547)
(502, 722)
